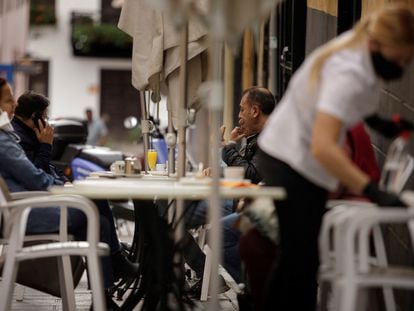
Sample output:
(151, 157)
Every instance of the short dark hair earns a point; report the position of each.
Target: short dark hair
(262, 97)
(29, 103)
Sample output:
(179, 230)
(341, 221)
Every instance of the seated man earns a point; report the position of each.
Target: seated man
(21, 175)
(36, 135)
(255, 106)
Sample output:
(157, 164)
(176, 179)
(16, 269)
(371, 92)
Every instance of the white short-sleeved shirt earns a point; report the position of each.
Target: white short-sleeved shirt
(348, 89)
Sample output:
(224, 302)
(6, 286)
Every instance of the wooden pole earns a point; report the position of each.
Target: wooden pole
(260, 55)
(248, 59)
(228, 90)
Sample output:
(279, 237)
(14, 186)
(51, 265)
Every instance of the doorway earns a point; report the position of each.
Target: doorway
(291, 41)
(119, 99)
(349, 12)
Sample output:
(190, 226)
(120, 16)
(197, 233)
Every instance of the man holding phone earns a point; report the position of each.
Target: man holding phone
(36, 135)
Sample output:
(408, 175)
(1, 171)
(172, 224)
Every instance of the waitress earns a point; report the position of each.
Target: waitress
(301, 146)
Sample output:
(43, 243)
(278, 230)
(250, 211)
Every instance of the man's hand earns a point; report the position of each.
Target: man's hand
(44, 133)
(207, 172)
(222, 131)
(240, 205)
(236, 134)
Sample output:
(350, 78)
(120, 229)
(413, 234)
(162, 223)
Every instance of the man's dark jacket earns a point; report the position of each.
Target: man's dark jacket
(40, 154)
(246, 157)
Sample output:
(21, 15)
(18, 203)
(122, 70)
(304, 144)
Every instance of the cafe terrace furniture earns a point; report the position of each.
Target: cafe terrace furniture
(14, 215)
(153, 245)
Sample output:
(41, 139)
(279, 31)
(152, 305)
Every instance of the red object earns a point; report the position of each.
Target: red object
(258, 254)
(359, 148)
(396, 118)
(362, 152)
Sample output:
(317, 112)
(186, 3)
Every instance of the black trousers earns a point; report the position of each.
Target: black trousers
(292, 285)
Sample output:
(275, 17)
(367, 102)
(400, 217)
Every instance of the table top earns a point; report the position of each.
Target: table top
(127, 188)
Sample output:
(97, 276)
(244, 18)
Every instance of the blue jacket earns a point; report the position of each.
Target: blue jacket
(40, 154)
(16, 169)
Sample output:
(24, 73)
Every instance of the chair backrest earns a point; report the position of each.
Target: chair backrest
(4, 198)
(4, 193)
(40, 274)
(396, 170)
(406, 168)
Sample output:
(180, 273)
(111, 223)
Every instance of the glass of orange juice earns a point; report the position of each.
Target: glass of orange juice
(152, 158)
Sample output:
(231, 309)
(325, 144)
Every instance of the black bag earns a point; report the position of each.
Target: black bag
(42, 273)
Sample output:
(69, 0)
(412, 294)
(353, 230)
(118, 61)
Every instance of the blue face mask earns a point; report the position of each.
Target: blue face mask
(384, 68)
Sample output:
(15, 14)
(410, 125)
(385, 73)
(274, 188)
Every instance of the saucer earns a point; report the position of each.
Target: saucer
(109, 174)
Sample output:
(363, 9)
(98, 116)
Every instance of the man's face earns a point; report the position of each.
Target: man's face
(89, 115)
(246, 116)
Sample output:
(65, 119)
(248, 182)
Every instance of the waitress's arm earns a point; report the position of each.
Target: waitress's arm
(325, 148)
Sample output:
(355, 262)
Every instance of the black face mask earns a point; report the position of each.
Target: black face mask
(384, 68)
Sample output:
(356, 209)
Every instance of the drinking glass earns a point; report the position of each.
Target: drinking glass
(152, 158)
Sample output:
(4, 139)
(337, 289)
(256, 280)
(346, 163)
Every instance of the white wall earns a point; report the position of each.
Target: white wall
(73, 81)
(14, 24)
(14, 28)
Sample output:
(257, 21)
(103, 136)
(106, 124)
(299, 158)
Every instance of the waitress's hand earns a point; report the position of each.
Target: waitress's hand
(381, 198)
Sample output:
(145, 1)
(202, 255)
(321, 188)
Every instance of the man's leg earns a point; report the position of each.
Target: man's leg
(231, 237)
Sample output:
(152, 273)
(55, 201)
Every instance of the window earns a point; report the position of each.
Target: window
(42, 12)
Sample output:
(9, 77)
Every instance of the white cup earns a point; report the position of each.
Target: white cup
(118, 167)
(234, 172)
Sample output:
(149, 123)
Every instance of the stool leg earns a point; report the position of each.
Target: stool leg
(348, 297)
(206, 275)
(19, 292)
(382, 261)
(7, 284)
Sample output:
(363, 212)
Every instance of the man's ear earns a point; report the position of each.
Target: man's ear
(255, 111)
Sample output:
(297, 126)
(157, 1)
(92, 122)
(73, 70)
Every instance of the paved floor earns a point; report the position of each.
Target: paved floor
(35, 300)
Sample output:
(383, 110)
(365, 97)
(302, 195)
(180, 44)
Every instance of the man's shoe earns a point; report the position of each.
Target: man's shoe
(123, 267)
(195, 290)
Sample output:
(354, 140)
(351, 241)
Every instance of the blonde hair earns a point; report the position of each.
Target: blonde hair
(391, 25)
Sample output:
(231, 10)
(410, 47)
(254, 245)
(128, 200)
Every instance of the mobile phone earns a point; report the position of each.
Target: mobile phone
(36, 117)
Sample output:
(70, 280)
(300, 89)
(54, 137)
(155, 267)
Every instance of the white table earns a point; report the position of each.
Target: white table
(153, 188)
(129, 188)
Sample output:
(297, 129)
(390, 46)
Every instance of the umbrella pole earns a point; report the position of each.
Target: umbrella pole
(272, 52)
(171, 139)
(145, 127)
(181, 126)
(182, 106)
(216, 107)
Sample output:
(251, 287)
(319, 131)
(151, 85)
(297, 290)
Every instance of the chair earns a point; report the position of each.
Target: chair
(24, 277)
(337, 229)
(14, 215)
(356, 269)
(335, 226)
(201, 240)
